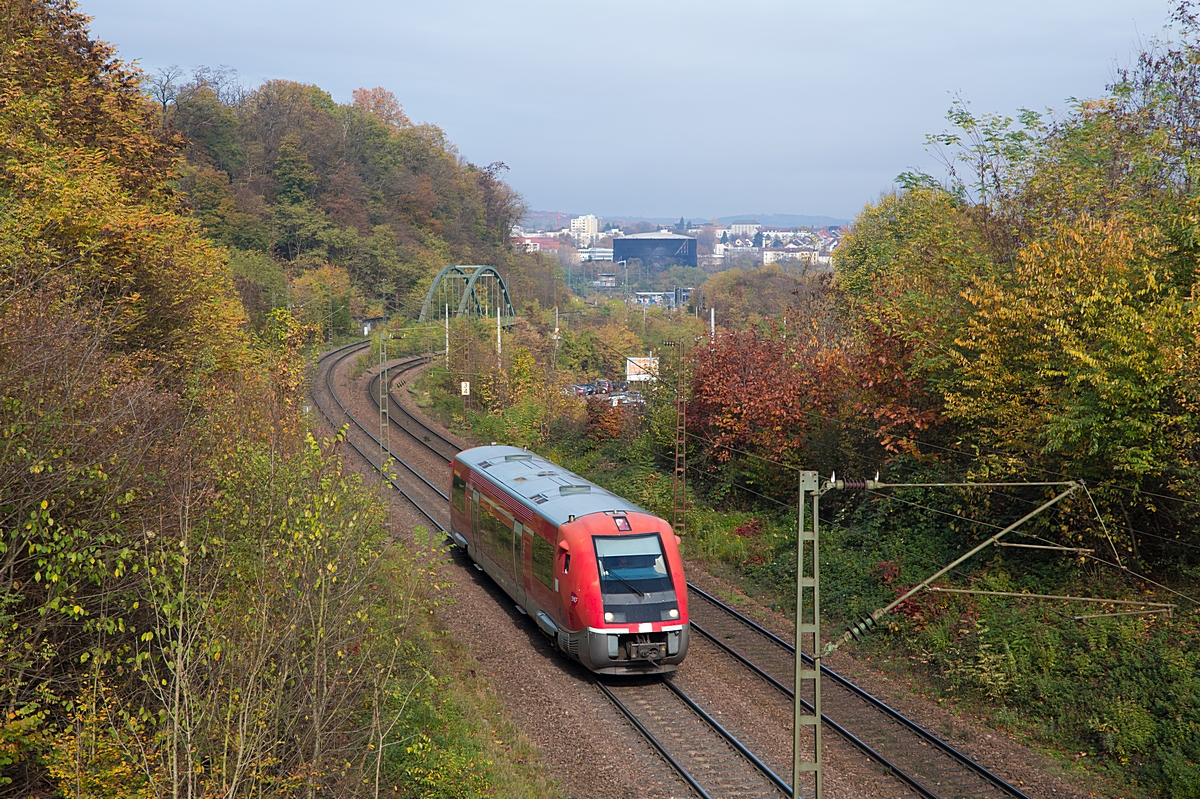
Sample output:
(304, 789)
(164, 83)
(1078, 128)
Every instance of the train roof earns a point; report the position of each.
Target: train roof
(543, 486)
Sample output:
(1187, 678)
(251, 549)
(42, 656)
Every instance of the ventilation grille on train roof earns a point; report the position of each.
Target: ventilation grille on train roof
(539, 499)
(520, 456)
(565, 490)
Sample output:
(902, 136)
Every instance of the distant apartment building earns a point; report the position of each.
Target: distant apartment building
(585, 230)
(740, 246)
(779, 237)
(774, 255)
(746, 229)
(595, 254)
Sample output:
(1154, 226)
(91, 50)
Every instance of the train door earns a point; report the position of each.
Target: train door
(562, 570)
(475, 523)
(521, 548)
(498, 538)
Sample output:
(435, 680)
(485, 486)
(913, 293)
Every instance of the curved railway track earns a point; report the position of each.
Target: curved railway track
(705, 755)
(411, 485)
(420, 432)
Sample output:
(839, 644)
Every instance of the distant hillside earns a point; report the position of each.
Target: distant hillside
(351, 202)
(556, 219)
(785, 220)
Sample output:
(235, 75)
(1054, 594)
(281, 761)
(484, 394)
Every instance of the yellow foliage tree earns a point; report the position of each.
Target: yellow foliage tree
(1073, 356)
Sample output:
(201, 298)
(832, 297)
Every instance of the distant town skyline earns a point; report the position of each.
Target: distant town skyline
(670, 108)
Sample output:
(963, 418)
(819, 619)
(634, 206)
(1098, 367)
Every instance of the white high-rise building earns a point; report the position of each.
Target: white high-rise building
(585, 230)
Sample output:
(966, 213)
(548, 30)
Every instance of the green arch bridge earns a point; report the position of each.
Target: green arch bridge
(468, 290)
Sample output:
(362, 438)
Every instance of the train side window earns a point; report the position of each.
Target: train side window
(458, 494)
(566, 562)
(543, 561)
(496, 532)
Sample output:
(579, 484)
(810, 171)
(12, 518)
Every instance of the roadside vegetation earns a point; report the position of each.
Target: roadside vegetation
(195, 598)
(1031, 316)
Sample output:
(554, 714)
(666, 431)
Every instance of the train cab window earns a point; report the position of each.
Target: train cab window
(543, 561)
(458, 494)
(634, 579)
(566, 563)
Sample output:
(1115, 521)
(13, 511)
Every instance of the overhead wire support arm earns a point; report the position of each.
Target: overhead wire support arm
(873, 485)
(1146, 607)
(870, 621)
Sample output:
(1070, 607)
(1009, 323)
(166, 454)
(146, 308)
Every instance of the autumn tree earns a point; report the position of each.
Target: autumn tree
(381, 104)
(745, 297)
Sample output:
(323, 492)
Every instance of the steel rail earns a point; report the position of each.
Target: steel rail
(728, 736)
(392, 455)
(373, 392)
(393, 401)
(871, 700)
(863, 746)
(637, 724)
(657, 744)
(358, 449)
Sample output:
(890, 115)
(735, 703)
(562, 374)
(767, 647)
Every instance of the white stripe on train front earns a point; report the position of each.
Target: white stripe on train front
(644, 627)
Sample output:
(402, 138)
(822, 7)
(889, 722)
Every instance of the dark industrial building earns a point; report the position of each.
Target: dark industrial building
(659, 249)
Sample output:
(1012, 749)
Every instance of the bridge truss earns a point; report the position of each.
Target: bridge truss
(468, 290)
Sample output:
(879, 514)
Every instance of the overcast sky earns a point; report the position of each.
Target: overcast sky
(663, 107)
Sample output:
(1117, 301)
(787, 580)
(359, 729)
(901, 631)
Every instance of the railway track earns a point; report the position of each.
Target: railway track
(927, 764)
(411, 485)
(413, 427)
(705, 755)
(701, 752)
(711, 760)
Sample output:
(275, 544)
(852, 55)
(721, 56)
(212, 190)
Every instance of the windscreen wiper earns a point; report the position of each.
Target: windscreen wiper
(632, 587)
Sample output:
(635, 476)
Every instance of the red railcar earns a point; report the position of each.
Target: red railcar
(600, 576)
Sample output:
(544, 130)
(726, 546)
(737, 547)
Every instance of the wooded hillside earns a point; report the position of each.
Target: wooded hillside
(194, 599)
(350, 208)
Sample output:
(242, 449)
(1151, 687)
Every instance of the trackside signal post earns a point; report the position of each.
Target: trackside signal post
(808, 634)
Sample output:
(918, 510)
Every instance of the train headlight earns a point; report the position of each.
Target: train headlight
(673, 613)
(608, 617)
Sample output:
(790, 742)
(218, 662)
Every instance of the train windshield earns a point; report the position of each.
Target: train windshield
(634, 579)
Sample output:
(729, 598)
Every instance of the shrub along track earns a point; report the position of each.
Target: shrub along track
(709, 758)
